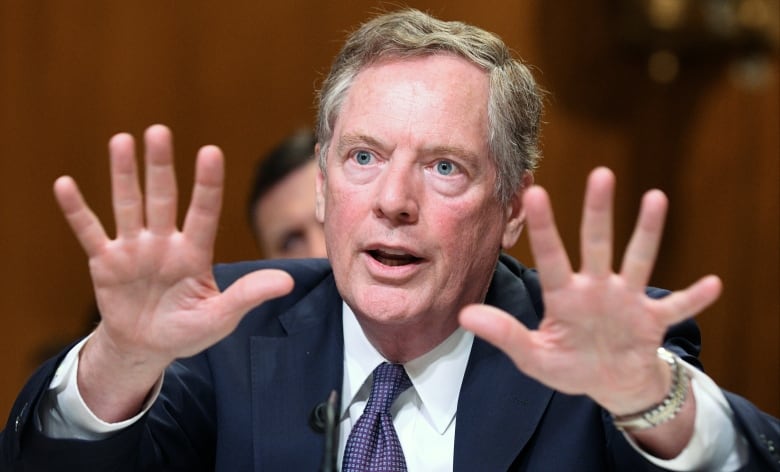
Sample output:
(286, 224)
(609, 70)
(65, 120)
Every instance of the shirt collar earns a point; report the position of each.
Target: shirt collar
(436, 375)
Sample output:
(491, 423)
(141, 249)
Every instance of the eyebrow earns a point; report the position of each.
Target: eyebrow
(351, 140)
(457, 151)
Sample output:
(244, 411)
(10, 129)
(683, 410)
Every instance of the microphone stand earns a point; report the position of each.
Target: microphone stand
(331, 449)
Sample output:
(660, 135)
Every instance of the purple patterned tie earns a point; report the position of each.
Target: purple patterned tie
(373, 444)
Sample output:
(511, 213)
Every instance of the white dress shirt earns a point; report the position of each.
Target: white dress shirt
(424, 416)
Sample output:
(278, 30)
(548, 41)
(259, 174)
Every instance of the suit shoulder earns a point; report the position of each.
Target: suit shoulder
(511, 271)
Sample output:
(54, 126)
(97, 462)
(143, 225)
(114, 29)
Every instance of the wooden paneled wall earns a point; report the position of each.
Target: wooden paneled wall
(241, 74)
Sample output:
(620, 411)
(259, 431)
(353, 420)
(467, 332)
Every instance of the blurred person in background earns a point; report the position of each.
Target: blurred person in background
(280, 209)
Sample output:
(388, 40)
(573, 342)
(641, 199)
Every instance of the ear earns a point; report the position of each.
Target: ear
(515, 213)
(319, 202)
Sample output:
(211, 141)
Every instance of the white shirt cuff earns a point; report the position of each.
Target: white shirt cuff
(716, 444)
(63, 413)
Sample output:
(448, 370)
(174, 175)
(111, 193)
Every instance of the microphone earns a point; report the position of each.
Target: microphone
(317, 417)
(324, 419)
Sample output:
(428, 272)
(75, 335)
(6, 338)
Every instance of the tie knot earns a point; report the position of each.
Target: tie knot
(390, 380)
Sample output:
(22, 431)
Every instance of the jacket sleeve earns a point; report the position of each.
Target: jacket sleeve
(180, 423)
(761, 430)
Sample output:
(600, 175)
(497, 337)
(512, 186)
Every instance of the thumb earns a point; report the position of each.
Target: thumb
(499, 329)
(255, 288)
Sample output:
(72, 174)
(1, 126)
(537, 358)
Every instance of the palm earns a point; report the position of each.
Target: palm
(155, 291)
(588, 322)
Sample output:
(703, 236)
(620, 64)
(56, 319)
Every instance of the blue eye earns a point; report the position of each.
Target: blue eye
(363, 157)
(445, 167)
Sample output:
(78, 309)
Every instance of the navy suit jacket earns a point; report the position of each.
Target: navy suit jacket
(245, 404)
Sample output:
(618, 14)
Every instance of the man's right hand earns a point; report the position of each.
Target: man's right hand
(153, 282)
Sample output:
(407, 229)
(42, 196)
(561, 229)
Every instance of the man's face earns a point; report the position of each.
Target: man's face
(284, 218)
(412, 225)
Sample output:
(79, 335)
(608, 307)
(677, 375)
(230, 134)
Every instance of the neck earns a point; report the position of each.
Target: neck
(401, 343)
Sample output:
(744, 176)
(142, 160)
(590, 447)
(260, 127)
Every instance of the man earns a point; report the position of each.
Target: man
(427, 138)
(281, 201)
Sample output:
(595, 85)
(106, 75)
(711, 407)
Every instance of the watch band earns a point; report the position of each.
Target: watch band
(668, 408)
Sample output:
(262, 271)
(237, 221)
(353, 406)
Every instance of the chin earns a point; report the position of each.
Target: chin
(391, 306)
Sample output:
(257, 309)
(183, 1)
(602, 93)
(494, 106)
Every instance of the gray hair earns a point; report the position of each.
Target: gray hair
(514, 103)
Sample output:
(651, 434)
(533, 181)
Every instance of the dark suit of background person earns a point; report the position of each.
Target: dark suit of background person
(253, 411)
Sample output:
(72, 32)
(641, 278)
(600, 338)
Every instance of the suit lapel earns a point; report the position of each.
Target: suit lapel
(499, 407)
(291, 375)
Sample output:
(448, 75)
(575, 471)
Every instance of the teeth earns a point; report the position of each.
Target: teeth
(393, 262)
(394, 258)
(392, 252)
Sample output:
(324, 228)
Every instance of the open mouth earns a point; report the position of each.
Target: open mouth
(393, 259)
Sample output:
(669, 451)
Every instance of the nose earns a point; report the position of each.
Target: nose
(397, 194)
